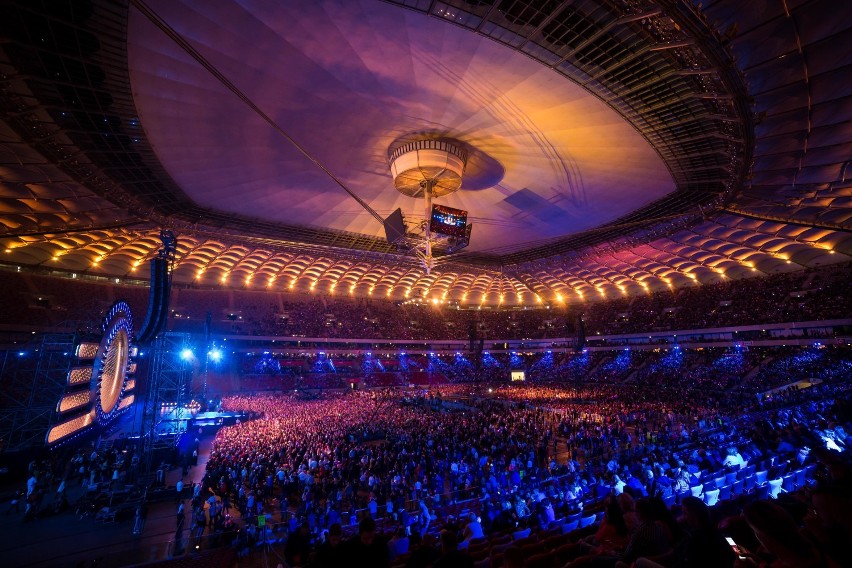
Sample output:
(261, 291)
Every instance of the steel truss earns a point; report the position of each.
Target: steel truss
(167, 392)
(32, 380)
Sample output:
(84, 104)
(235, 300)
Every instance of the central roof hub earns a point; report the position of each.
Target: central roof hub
(416, 163)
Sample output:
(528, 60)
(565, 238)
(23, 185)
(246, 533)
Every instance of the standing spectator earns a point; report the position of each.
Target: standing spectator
(298, 546)
(423, 552)
(451, 556)
(398, 545)
(181, 521)
(425, 517)
(331, 553)
(366, 548)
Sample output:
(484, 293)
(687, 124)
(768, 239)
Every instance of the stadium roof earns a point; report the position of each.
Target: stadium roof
(615, 147)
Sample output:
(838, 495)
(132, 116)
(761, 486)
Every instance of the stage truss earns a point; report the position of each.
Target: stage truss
(167, 393)
(32, 380)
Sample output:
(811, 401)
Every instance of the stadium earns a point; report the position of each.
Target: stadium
(491, 283)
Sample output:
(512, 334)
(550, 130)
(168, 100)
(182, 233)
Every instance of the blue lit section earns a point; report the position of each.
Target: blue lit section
(809, 362)
(436, 364)
(371, 364)
(461, 363)
(577, 366)
(545, 363)
(516, 361)
(671, 362)
(319, 364)
(404, 362)
(267, 365)
(324, 364)
(489, 362)
(732, 363)
(621, 362)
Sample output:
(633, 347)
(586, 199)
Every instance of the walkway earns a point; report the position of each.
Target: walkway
(66, 541)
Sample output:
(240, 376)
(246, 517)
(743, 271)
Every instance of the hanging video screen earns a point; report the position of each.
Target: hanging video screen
(448, 221)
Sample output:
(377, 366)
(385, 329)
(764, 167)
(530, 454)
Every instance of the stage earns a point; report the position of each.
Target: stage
(174, 421)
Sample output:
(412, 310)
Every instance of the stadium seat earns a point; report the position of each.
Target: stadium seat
(762, 491)
(737, 488)
(775, 487)
(556, 523)
(533, 548)
(501, 548)
(541, 560)
(800, 478)
(730, 477)
(553, 542)
(760, 477)
(570, 526)
(711, 497)
(565, 553)
(697, 490)
(809, 471)
(527, 540)
(725, 492)
(789, 483)
(749, 483)
(587, 521)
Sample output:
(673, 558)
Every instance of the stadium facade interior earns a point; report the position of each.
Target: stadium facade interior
(512, 257)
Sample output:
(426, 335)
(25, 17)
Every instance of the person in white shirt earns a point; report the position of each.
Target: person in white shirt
(733, 459)
(472, 530)
(618, 485)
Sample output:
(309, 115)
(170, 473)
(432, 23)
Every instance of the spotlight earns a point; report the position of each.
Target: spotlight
(215, 355)
(186, 354)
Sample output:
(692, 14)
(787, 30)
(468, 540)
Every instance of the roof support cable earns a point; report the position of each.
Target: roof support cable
(192, 52)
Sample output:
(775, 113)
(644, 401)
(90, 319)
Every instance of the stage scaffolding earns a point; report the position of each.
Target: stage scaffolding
(167, 392)
(32, 380)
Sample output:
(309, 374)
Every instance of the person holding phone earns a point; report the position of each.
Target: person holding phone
(703, 545)
(779, 535)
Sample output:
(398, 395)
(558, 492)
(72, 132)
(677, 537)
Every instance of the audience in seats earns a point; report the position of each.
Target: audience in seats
(797, 296)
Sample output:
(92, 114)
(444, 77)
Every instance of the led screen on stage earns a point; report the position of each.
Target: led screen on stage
(518, 376)
(448, 221)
